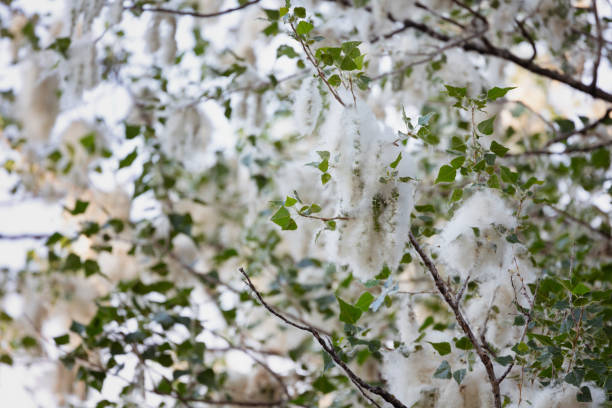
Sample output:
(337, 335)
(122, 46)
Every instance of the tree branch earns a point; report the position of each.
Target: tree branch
(566, 135)
(448, 297)
(571, 150)
(19, 237)
(599, 45)
(489, 49)
(192, 13)
(356, 380)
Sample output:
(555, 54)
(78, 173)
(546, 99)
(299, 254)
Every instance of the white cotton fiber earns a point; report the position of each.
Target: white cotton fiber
(186, 136)
(474, 241)
(377, 203)
(38, 103)
(307, 106)
(564, 396)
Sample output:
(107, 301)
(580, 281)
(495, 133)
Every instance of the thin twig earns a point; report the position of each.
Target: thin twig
(328, 348)
(325, 219)
(580, 222)
(192, 13)
(570, 150)
(528, 37)
(19, 237)
(315, 64)
(583, 130)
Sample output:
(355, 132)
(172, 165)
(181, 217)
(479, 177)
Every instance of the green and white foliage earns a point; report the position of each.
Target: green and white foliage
(308, 203)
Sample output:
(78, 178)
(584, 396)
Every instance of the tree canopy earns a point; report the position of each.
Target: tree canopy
(308, 203)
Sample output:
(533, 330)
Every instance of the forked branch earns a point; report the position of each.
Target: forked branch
(327, 346)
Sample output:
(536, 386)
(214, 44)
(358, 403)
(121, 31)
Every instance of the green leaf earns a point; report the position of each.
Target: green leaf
(504, 360)
(396, 161)
(426, 323)
(456, 92)
(323, 385)
(493, 181)
(323, 166)
(131, 131)
(384, 273)
(323, 154)
(424, 120)
(364, 301)
(457, 195)
(498, 149)
(601, 158)
(532, 180)
(348, 64)
(443, 371)
(61, 45)
(272, 29)
(304, 27)
(89, 142)
(79, 207)
(91, 267)
(458, 144)
(463, 343)
(289, 201)
(584, 395)
(283, 219)
(580, 289)
(61, 340)
(334, 80)
(406, 258)
(348, 313)
(325, 177)
(457, 162)
(207, 378)
(508, 175)
(181, 222)
(287, 51)
(496, 93)
(129, 159)
(521, 348)
(225, 255)
(300, 12)
(6, 359)
(443, 348)
(512, 238)
(459, 375)
(486, 126)
(446, 174)
(272, 14)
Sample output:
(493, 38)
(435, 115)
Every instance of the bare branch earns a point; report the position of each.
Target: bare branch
(325, 344)
(566, 135)
(570, 150)
(580, 222)
(192, 13)
(19, 237)
(528, 37)
(600, 43)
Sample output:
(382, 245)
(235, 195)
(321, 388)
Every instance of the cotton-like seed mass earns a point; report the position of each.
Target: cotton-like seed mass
(38, 103)
(186, 136)
(369, 192)
(169, 45)
(473, 243)
(307, 106)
